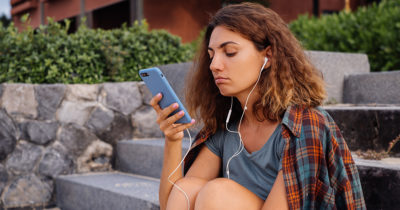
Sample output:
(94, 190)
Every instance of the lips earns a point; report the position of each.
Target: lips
(220, 80)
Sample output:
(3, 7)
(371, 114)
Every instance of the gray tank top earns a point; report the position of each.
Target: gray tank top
(256, 171)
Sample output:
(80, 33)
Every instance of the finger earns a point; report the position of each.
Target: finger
(154, 102)
(171, 120)
(182, 127)
(167, 111)
(179, 127)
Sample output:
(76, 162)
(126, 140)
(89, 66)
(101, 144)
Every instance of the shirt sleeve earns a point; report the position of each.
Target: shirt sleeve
(280, 150)
(214, 144)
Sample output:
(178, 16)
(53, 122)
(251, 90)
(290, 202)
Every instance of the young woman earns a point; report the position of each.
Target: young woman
(266, 143)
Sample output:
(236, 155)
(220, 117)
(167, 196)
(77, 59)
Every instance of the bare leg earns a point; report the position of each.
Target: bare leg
(222, 193)
(191, 186)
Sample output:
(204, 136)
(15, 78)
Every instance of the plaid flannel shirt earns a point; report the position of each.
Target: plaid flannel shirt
(317, 166)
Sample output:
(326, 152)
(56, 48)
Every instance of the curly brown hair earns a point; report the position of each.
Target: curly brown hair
(291, 79)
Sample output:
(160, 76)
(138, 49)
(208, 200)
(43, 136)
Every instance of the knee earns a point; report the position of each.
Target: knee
(214, 194)
(191, 183)
(217, 186)
(190, 186)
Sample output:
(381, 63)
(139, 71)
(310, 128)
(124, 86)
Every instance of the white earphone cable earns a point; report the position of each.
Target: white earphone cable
(241, 144)
(175, 185)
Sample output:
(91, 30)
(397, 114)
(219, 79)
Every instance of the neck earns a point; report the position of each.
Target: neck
(249, 117)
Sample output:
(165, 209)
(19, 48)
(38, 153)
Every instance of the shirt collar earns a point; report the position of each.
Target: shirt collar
(293, 119)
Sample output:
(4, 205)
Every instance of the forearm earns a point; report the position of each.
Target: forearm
(172, 157)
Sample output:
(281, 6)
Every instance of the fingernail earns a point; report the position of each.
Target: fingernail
(158, 94)
(175, 105)
(181, 113)
(193, 121)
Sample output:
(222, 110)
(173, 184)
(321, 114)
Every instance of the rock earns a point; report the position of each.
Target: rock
(144, 123)
(146, 94)
(49, 98)
(82, 92)
(120, 129)
(8, 135)
(100, 119)
(19, 99)
(97, 157)
(75, 138)
(24, 158)
(122, 97)
(3, 177)
(28, 190)
(41, 132)
(55, 162)
(23, 133)
(75, 112)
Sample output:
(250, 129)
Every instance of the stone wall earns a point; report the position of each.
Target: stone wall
(48, 130)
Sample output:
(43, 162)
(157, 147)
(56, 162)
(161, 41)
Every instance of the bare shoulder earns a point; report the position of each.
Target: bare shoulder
(206, 165)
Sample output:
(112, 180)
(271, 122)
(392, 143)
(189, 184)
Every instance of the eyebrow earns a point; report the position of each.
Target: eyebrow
(223, 45)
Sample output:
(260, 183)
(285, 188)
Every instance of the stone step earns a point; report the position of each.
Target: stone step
(380, 179)
(368, 127)
(372, 87)
(105, 191)
(143, 157)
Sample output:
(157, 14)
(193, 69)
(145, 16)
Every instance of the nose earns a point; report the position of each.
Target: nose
(216, 63)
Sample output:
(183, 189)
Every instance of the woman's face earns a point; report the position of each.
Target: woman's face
(235, 62)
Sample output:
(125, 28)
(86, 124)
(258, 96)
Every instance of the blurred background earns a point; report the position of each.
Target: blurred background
(185, 18)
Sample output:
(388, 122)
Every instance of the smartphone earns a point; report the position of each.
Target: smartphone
(157, 83)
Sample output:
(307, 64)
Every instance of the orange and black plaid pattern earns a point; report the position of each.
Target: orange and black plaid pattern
(317, 166)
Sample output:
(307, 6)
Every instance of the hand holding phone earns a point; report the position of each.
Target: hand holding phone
(157, 83)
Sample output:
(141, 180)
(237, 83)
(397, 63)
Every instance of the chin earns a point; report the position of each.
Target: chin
(226, 93)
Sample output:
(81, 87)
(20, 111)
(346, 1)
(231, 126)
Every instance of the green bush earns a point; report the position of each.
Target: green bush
(50, 55)
(374, 30)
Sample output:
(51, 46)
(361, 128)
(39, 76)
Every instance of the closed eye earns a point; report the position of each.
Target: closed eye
(211, 53)
(230, 54)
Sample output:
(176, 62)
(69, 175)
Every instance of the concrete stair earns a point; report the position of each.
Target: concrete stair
(140, 163)
(368, 126)
(107, 191)
(120, 190)
(380, 180)
(137, 189)
(143, 157)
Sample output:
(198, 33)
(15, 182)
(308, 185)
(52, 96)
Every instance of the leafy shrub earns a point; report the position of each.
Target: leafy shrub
(374, 30)
(50, 55)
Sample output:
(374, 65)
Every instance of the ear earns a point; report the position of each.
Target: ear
(268, 53)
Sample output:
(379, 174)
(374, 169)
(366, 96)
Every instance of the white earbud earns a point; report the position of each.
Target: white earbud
(265, 63)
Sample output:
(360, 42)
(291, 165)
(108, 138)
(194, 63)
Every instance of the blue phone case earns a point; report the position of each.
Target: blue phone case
(157, 83)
